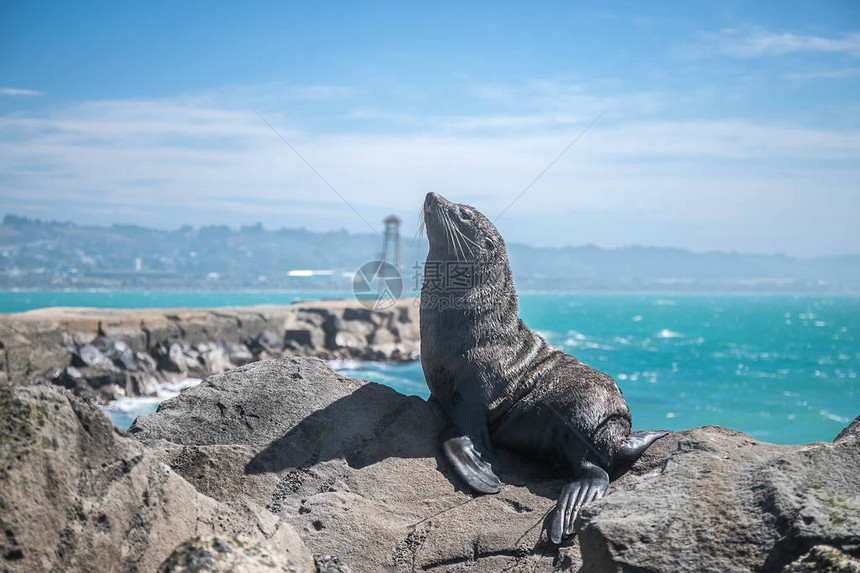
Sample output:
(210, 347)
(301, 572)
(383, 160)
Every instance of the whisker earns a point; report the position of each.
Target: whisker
(449, 241)
(467, 241)
(462, 243)
(420, 229)
(413, 245)
(457, 246)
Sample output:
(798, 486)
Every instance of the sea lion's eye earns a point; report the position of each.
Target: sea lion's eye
(465, 214)
(489, 244)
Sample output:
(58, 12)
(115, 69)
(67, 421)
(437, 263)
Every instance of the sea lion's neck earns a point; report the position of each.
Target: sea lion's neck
(486, 301)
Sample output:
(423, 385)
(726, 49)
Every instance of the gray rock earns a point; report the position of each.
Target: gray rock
(355, 468)
(303, 337)
(236, 555)
(216, 358)
(849, 431)
(824, 558)
(31, 350)
(266, 340)
(330, 564)
(89, 355)
(352, 341)
(239, 354)
(712, 499)
(117, 351)
(76, 494)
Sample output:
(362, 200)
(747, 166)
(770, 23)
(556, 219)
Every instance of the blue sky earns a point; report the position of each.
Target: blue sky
(726, 125)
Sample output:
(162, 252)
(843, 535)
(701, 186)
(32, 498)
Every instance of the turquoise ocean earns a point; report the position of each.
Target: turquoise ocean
(784, 369)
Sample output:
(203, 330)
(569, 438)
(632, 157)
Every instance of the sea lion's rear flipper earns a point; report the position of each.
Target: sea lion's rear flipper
(590, 485)
(471, 456)
(631, 449)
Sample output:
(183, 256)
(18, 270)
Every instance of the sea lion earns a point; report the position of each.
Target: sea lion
(500, 383)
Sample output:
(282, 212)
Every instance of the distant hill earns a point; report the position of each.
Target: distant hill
(49, 254)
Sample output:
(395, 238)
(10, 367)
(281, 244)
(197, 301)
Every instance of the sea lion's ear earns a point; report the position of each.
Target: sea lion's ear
(491, 246)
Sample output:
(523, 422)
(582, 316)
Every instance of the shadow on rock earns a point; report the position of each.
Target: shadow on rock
(357, 429)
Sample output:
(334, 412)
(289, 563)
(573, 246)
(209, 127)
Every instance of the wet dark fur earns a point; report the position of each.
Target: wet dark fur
(535, 398)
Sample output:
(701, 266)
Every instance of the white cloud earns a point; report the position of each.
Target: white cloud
(19, 92)
(776, 184)
(762, 43)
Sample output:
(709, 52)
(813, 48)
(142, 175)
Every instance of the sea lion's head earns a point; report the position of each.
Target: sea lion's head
(460, 232)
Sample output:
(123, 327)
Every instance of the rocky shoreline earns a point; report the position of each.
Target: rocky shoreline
(118, 353)
(285, 465)
(277, 463)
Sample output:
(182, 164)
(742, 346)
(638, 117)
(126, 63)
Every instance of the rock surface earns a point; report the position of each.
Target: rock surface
(716, 500)
(355, 468)
(76, 494)
(235, 555)
(114, 353)
(260, 466)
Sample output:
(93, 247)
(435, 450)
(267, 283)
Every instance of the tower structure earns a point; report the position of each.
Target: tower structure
(391, 242)
(378, 284)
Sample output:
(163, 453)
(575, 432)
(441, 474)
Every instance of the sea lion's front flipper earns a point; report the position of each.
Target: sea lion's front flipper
(472, 458)
(590, 485)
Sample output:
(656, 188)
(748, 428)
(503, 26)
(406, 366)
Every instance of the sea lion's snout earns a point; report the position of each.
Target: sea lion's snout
(433, 201)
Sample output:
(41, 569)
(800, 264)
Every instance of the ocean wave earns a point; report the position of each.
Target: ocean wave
(172, 389)
(129, 405)
(587, 344)
(345, 364)
(163, 391)
(834, 417)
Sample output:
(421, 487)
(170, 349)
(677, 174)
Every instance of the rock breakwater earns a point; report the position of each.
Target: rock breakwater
(116, 353)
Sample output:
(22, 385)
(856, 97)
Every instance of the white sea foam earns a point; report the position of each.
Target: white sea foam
(666, 333)
(344, 364)
(132, 404)
(163, 391)
(834, 417)
(172, 389)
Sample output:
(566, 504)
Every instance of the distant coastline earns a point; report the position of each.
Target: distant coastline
(44, 255)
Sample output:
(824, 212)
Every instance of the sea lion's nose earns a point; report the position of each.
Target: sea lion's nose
(430, 201)
(433, 198)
